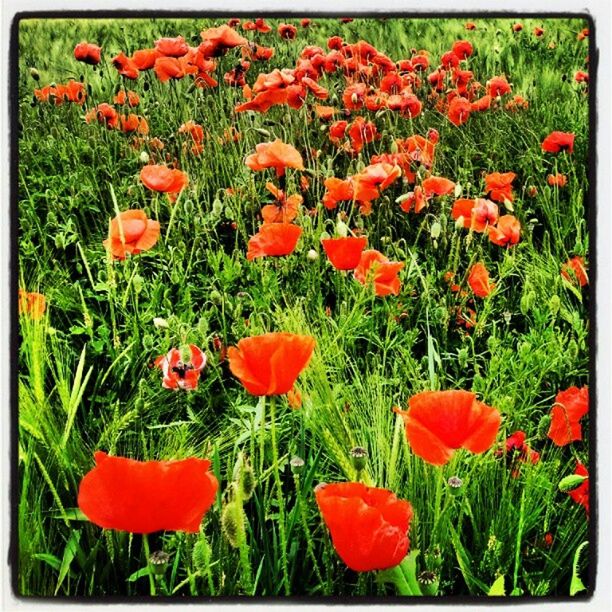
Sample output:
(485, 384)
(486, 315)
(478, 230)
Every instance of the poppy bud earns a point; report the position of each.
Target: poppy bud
(217, 207)
(429, 582)
(434, 559)
(148, 343)
(571, 482)
(159, 561)
(34, 74)
(544, 426)
(354, 98)
(312, 255)
(138, 283)
(435, 230)
(199, 556)
(297, 465)
(160, 323)
(462, 357)
(527, 302)
(341, 228)
(216, 297)
(232, 521)
(455, 483)
(244, 477)
(359, 457)
(572, 350)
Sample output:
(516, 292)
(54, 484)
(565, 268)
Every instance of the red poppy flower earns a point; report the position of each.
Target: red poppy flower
(478, 280)
(305, 22)
(218, 40)
(470, 25)
(131, 97)
(517, 27)
(375, 268)
(88, 53)
(131, 233)
(144, 59)
(482, 104)
(147, 496)
(538, 31)
(105, 114)
(507, 232)
(270, 364)
(164, 179)
(354, 96)
(133, 123)
(416, 199)
(581, 77)
(499, 186)
(362, 132)
(375, 537)
(277, 155)
(570, 406)
(274, 240)
(516, 452)
(172, 47)
(32, 304)
(439, 422)
(498, 86)
(325, 113)
(437, 185)
(284, 210)
(125, 66)
(478, 214)
(196, 131)
(179, 373)
(344, 253)
(459, 110)
(556, 142)
(581, 494)
(574, 270)
(167, 68)
(557, 180)
(287, 31)
(462, 49)
(259, 25)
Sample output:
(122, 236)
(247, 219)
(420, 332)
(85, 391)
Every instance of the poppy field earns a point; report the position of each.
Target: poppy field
(303, 307)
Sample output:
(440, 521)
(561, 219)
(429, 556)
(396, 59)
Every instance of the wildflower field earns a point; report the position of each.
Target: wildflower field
(303, 307)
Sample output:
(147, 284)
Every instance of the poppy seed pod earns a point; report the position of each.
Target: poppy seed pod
(455, 483)
(297, 465)
(159, 561)
(359, 458)
(429, 582)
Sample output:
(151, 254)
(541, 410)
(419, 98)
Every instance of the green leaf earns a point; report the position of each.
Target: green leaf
(69, 553)
(577, 585)
(143, 571)
(51, 560)
(498, 588)
(71, 514)
(571, 482)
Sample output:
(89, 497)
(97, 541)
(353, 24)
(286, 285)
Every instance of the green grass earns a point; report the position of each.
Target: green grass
(85, 375)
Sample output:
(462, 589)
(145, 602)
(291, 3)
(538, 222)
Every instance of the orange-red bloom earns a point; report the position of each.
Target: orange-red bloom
(270, 364)
(570, 406)
(462, 49)
(144, 59)
(375, 268)
(172, 47)
(287, 31)
(376, 536)
(32, 304)
(131, 233)
(164, 179)
(88, 53)
(459, 110)
(144, 497)
(218, 40)
(557, 180)
(344, 253)
(507, 232)
(439, 422)
(105, 114)
(574, 270)
(498, 86)
(478, 280)
(274, 240)
(499, 186)
(277, 155)
(556, 142)
(131, 97)
(125, 66)
(581, 493)
(437, 185)
(284, 210)
(179, 374)
(478, 214)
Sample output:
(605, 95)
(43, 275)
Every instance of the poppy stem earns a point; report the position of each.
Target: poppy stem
(307, 534)
(279, 494)
(145, 544)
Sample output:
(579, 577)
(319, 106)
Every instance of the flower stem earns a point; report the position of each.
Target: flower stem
(279, 494)
(145, 543)
(306, 529)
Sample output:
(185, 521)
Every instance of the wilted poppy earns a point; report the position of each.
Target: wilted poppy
(131, 233)
(440, 422)
(32, 304)
(570, 406)
(376, 536)
(274, 240)
(574, 270)
(269, 364)
(478, 280)
(477, 214)
(375, 268)
(181, 373)
(556, 142)
(147, 496)
(581, 493)
(164, 179)
(344, 253)
(507, 231)
(88, 53)
(277, 155)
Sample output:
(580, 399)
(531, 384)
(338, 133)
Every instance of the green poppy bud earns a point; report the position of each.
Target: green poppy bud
(232, 521)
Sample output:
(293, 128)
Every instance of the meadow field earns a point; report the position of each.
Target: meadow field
(303, 307)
